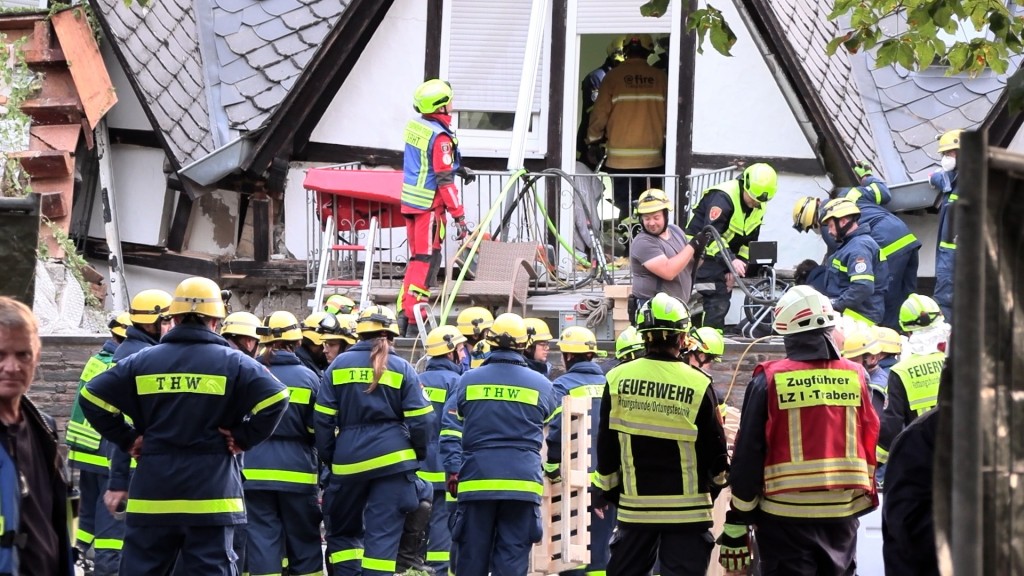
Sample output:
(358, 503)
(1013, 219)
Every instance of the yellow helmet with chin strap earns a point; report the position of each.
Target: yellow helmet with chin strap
(760, 181)
(950, 141)
(280, 326)
(805, 214)
(119, 324)
(839, 208)
(311, 327)
(474, 321)
(862, 341)
(537, 330)
(509, 331)
(578, 340)
(377, 318)
(653, 200)
(444, 340)
(240, 324)
(338, 304)
(432, 95)
(199, 296)
(148, 306)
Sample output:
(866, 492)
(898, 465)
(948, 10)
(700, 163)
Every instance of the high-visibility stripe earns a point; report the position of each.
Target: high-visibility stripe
(346, 555)
(851, 313)
(838, 265)
(83, 536)
(319, 573)
(213, 506)
(854, 194)
(948, 245)
(83, 430)
(586, 391)
(630, 152)
(438, 395)
(953, 198)
(856, 277)
(638, 98)
(87, 443)
(878, 192)
(895, 246)
(745, 505)
(664, 501)
(340, 376)
(438, 556)
(528, 486)
(595, 573)
(663, 516)
(94, 399)
(297, 395)
(325, 409)
(817, 504)
(86, 458)
(181, 383)
(881, 454)
(811, 466)
(502, 393)
(668, 432)
(431, 476)
(418, 412)
(274, 399)
(93, 368)
(378, 564)
(107, 544)
(280, 476)
(374, 463)
(448, 432)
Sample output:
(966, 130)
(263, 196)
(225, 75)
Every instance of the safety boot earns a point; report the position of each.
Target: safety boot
(411, 558)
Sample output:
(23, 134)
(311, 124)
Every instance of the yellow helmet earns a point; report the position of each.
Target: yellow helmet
(431, 96)
(443, 340)
(838, 208)
(918, 312)
(241, 324)
(474, 321)
(509, 331)
(642, 40)
(537, 330)
(805, 214)
(862, 341)
(577, 339)
(346, 329)
(338, 304)
(280, 326)
(888, 340)
(311, 327)
(708, 341)
(119, 324)
(628, 343)
(200, 296)
(760, 181)
(615, 49)
(377, 318)
(653, 200)
(950, 141)
(149, 305)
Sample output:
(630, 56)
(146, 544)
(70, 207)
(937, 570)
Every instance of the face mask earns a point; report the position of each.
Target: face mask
(948, 163)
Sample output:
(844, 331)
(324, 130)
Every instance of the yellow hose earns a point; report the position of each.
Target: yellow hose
(739, 361)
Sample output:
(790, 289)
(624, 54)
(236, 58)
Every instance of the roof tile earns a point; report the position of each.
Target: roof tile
(233, 5)
(928, 107)
(229, 95)
(238, 70)
(272, 30)
(315, 34)
(244, 41)
(298, 18)
(225, 23)
(290, 45)
(255, 15)
(279, 7)
(269, 99)
(905, 92)
(326, 8)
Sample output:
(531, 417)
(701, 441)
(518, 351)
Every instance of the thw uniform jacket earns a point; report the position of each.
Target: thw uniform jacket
(439, 380)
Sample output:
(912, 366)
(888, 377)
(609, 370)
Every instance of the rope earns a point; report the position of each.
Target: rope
(739, 361)
(595, 310)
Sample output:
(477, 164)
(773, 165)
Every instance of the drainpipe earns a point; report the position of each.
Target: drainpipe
(118, 289)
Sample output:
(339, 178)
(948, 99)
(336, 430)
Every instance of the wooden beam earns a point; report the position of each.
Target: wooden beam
(262, 236)
(432, 54)
(179, 223)
(343, 153)
(143, 138)
(685, 102)
(805, 166)
(556, 83)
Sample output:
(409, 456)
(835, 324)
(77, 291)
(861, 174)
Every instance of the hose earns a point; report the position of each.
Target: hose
(594, 309)
(728, 256)
(739, 361)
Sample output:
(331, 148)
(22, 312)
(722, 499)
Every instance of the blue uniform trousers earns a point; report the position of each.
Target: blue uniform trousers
(902, 283)
(108, 533)
(944, 281)
(283, 525)
(371, 511)
(496, 536)
(452, 505)
(802, 549)
(439, 541)
(600, 537)
(204, 550)
(678, 552)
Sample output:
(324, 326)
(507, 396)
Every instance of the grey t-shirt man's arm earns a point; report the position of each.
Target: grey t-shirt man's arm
(646, 284)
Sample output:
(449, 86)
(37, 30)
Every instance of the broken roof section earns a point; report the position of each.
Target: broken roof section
(889, 116)
(208, 70)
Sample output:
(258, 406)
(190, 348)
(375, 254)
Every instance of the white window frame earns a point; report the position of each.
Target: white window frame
(496, 143)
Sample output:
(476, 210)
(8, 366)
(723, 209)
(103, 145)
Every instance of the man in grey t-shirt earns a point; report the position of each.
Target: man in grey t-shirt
(660, 258)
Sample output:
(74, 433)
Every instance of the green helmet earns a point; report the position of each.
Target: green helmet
(760, 181)
(663, 313)
(628, 343)
(708, 340)
(431, 96)
(919, 312)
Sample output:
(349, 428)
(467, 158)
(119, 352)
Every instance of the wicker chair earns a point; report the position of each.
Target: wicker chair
(503, 274)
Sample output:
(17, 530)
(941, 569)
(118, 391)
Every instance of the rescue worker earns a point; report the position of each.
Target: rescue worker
(661, 259)
(946, 182)
(914, 381)
(628, 346)
(198, 403)
(590, 88)
(311, 350)
(85, 455)
(803, 463)
(538, 345)
(338, 333)
(582, 379)
(432, 160)
(473, 323)
(338, 304)
(706, 346)
(659, 445)
(281, 473)
(735, 209)
(371, 399)
(862, 346)
(890, 346)
(629, 116)
(855, 265)
(439, 380)
(503, 406)
(239, 329)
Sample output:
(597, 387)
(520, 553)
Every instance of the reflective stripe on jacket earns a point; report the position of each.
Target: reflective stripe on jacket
(419, 183)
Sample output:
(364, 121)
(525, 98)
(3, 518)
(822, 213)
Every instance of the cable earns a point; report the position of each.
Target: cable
(739, 361)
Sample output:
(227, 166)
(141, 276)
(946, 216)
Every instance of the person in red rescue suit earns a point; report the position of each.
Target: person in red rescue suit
(432, 160)
(804, 462)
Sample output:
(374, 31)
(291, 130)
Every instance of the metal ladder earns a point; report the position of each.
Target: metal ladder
(333, 257)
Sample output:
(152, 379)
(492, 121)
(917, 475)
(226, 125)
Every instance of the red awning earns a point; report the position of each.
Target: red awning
(353, 196)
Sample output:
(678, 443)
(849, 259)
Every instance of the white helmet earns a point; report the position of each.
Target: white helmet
(803, 308)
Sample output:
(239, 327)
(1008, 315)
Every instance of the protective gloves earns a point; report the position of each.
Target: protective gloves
(453, 484)
(467, 175)
(463, 230)
(862, 169)
(734, 554)
(553, 472)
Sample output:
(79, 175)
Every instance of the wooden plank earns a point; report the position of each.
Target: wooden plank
(179, 223)
(92, 81)
(45, 163)
(262, 236)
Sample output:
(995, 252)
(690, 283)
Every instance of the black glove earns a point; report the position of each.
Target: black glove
(467, 175)
(595, 153)
(734, 554)
(463, 230)
(553, 471)
(699, 242)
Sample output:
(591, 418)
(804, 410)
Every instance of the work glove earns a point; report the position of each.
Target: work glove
(734, 554)
(463, 230)
(553, 472)
(467, 175)
(453, 484)
(862, 169)
(699, 242)
(595, 153)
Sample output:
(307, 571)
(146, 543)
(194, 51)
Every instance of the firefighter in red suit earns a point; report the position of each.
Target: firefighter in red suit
(428, 189)
(804, 463)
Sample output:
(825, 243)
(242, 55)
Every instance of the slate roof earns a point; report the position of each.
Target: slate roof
(889, 116)
(225, 71)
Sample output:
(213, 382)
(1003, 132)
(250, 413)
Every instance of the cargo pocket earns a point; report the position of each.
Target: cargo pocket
(537, 528)
(456, 522)
(408, 499)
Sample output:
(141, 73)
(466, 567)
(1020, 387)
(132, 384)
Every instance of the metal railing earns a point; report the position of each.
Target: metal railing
(574, 218)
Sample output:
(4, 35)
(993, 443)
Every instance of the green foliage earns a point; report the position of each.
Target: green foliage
(18, 84)
(72, 259)
(709, 22)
